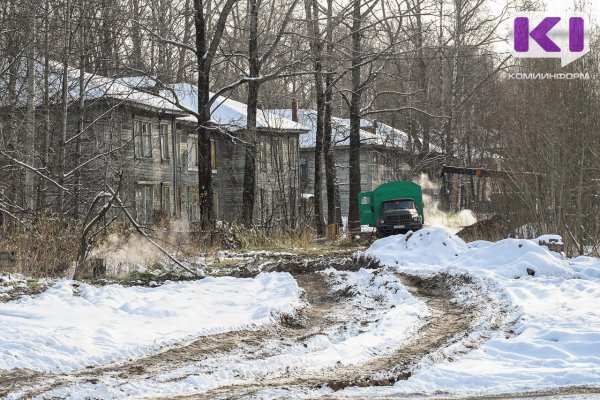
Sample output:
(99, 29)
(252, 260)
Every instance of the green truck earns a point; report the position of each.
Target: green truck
(393, 207)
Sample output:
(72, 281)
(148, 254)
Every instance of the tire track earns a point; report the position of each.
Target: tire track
(446, 333)
(327, 310)
(449, 325)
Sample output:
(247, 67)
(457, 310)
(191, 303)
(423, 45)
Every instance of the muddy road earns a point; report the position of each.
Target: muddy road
(456, 324)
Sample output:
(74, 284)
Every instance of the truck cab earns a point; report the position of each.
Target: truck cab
(398, 216)
(392, 208)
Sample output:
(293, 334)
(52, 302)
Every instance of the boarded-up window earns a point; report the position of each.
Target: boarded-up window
(164, 141)
(142, 139)
(144, 195)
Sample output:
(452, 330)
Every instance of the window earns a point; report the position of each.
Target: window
(398, 205)
(193, 209)
(164, 141)
(165, 199)
(303, 170)
(112, 131)
(144, 195)
(142, 139)
(213, 155)
(263, 155)
(192, 145)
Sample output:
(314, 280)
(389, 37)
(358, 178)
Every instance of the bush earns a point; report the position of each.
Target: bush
(47, 247)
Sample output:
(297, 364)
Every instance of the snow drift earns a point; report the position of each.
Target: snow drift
(439, 248)
(69, 327)
(556, 339)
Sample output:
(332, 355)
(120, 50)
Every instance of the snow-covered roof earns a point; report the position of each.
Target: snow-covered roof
(139, 82)
(228, 112)
(384, 135)
(96, 87)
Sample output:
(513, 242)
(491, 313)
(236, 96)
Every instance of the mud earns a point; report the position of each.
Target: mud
(450, 326)
(323, 312)
(448, 323)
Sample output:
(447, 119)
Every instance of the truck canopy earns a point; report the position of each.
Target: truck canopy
(369, 203)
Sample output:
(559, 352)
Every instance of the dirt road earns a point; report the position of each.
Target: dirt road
(458, 321)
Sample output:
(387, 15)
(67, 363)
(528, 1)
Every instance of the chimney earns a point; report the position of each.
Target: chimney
(295, 110)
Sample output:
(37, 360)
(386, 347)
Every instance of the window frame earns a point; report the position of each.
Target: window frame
(142, 141)
(165, 198)
(193, 162)
(163, 139)
(144, 197)
(192, 206)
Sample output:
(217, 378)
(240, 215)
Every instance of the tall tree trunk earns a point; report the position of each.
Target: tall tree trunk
(107, 36)
(187, 29)
(312, 17)
(450, 125)
(423, 78)
(136, 36)
(334, 212)
(64, 111)
(354, 173)
(205, 53)
(249, 189)
(45, 157)
(30, 178)
(205, 193)
(80, 122)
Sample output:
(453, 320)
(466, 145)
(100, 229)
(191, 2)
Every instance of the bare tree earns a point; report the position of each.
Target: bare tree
(256, 60)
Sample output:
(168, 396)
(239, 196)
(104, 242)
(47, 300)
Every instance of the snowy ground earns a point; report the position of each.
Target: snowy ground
(433, 316)
(556, 341)
(74, 326)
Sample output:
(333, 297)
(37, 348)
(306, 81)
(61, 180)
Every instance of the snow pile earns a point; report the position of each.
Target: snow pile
(554, 343)
(549, 239)
(69, 327)
(437, 247)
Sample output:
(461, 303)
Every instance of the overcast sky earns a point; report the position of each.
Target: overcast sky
(559, 6)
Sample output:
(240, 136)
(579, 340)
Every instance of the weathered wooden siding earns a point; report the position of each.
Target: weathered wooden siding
(277, 180)
(377, 165)
(155, 187)
(107, 147)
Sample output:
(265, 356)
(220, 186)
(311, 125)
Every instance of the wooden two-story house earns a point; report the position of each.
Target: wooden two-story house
(386, 154)
(130, 125)
(277, 172)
